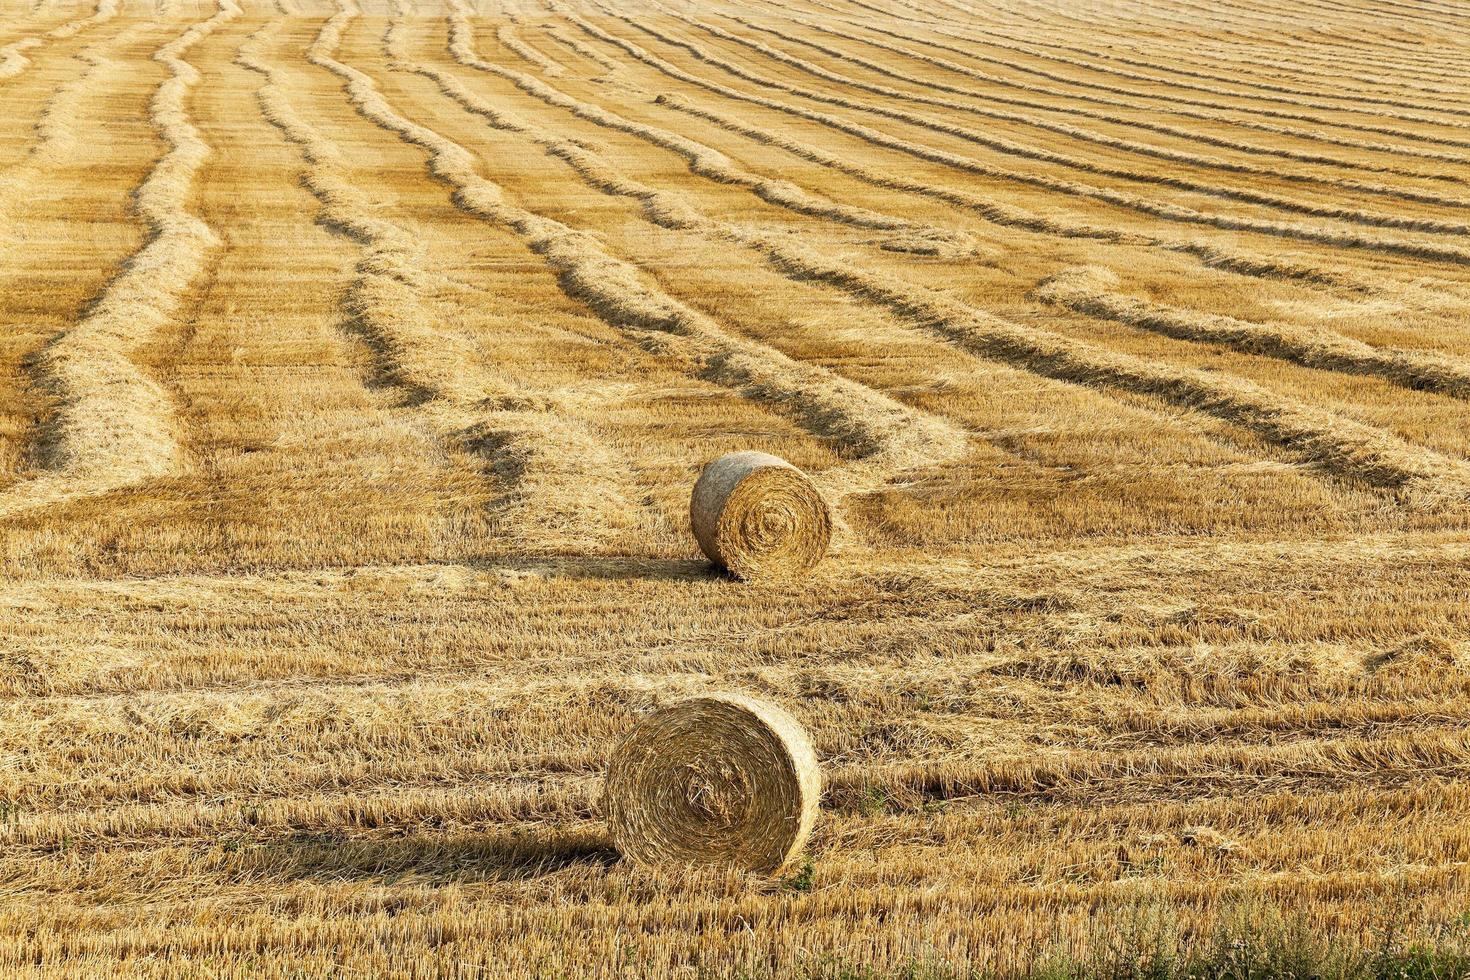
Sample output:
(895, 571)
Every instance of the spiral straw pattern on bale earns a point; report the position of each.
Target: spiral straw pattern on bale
(756, 515)
(723, 780)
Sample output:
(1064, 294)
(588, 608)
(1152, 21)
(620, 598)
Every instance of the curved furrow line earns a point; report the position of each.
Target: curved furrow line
(1314, 66)
(114, 427)
(1278, 93)
(1311, 65)
(1175, 101)
(1366, 25)
(1375, 83)
(885, 437)
(586, 51)
(565, 483)
(707, 162)
(1102, 139)
(1257, 110)
(1343, 445)
(1188, 135)
(1030, 152)
(1268, 70)
(1421, 476)
(1285, 95)
(1240, 263)
(1391, 38)
(1173, 98)
(59, 128)
(509, 40)
(1364, 47)
(1419, 249)
(1247, 264)
(847, 16)
(1318, 60)
(1411, 11)
(1414, 13)
(1092, 290)
(665, 208)
(703, 160)
(12, 57)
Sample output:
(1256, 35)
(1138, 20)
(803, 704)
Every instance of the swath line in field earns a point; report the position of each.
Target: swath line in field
(1001, 214)
(512, 42)
(1092, 290)
(1284, 95)
(566, 486)
(114, 427)
(1214, 256)
(591, 54)
(703, 160)
(59, 127)
(1255, 110)
(1252, 121)
(1243, 263)
(1245, 51)
(1415, 248)
(886, 437)
(1041, 155)
(1375, 35)
(1189, 135)
(1174, 98)
(1404, 111)
(12, 56)
(970, 53)
(1448, 17)
(1347, 447)
(1250, 68)
(1421, 476)
(1316, 348)
(1310, 66)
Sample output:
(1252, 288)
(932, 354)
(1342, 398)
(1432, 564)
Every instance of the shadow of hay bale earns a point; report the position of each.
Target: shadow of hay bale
(515, 855)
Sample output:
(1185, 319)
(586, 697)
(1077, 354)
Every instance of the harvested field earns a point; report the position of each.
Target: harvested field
(357, 361)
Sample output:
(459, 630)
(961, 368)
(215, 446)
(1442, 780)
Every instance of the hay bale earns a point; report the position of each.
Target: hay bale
(756, 515)
(720, 780)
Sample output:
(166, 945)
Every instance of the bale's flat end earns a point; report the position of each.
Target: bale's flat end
(757, 516)
(723, 780)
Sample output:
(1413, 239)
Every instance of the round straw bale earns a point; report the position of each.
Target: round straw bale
(756, 515)
(720, 779)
